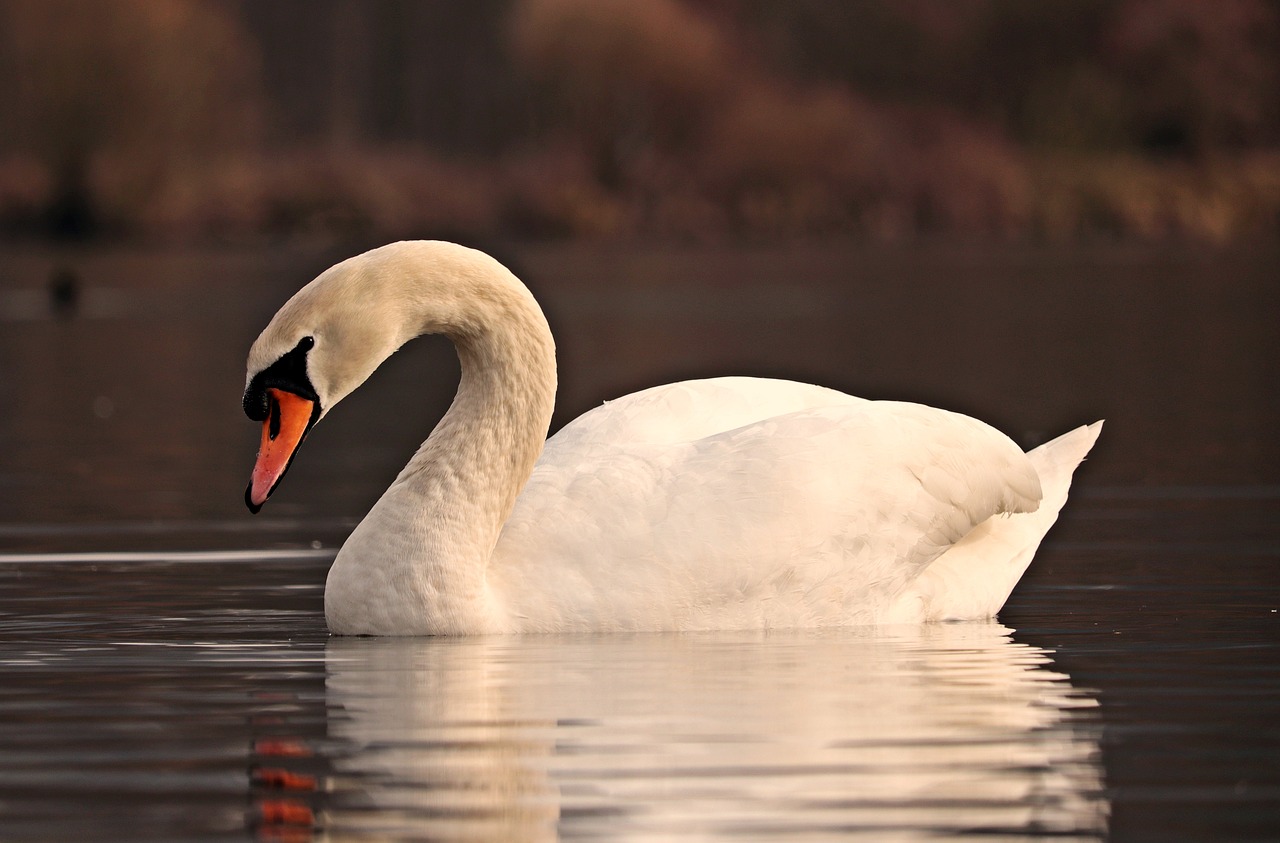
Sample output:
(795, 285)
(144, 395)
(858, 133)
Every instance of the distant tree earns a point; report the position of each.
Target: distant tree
(141, 84)
(1202, 76)
(626, 75)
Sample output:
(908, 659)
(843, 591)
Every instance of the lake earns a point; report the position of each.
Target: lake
(165, 673)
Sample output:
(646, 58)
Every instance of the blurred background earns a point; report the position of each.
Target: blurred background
(702, 120)
(1039, 213)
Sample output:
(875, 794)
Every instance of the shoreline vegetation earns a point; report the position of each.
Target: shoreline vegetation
(669, 120)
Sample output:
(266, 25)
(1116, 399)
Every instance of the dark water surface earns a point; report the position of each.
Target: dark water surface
(165, 673)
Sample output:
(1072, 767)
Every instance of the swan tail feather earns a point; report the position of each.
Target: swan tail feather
(974, 578)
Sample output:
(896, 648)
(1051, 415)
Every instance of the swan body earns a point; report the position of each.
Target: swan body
(728, 503)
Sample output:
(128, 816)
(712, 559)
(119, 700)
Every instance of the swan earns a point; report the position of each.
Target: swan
(726, 503)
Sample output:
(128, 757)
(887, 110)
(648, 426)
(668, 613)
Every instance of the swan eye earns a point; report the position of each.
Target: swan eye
(306, 344)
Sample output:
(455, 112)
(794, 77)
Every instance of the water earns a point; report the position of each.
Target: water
(166, 703)
(165, 673)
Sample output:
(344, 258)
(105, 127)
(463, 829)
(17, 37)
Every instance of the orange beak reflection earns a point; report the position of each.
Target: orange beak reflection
(288, 420)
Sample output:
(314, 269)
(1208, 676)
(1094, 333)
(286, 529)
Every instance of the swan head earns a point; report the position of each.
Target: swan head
(333, 333)
(323, 343)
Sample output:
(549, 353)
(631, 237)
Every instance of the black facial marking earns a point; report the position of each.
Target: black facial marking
(288, 373)
(274, 430)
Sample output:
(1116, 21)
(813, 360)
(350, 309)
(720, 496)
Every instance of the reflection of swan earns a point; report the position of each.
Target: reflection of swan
(723, 504)
(906, 733)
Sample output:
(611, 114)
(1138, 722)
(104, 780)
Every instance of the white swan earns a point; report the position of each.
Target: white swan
(713, 504)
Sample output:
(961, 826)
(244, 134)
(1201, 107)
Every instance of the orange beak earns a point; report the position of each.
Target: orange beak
(288, 420)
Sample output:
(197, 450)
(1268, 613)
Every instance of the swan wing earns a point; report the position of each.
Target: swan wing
(974, 578)
(818, 516)
(690, 410)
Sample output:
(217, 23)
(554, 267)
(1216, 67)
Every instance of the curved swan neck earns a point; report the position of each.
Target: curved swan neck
(491, 436)
(435, 527)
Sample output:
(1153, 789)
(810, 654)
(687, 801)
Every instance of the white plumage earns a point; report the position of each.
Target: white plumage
(726, 503)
